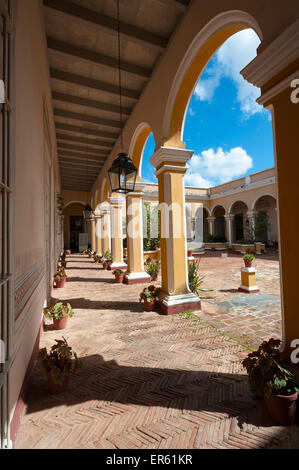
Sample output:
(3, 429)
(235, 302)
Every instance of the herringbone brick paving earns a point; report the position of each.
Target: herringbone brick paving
(148, 381)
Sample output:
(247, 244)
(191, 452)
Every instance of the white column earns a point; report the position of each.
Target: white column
(229, 222)
(105, 229)
(211, 221)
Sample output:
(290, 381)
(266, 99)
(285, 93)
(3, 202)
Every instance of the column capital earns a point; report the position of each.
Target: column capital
(171, 159)
(97, 215)
(211, 219)
(138, 190)
(251, 214)
(105, 210)
(229, 216)
(116, 201)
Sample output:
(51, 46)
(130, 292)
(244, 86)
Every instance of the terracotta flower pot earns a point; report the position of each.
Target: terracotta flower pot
(54, 387)
(61, 323)
(119, 278)
(60, 282)
(282, 408)
(90, 255)
(105, 266)
(248, 263)
(189, 253)
(158, 305)
(149, 306)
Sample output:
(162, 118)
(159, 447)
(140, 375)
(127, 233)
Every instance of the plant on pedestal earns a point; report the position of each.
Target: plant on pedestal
(59, 313)
(272, 380)
(58, 363)
(248, 259)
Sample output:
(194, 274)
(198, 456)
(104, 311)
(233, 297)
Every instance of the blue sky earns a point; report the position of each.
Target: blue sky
(231, 135)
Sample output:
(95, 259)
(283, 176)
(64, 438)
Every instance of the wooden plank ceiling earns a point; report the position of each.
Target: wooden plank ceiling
(83, 61)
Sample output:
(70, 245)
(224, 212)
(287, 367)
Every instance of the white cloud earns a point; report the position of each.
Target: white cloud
(213, 167)
(231, 57)
(191, 112)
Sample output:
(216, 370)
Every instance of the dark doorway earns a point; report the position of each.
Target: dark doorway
(76, 227)
(239, 231)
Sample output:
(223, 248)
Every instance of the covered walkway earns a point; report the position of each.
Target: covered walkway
(148, 381)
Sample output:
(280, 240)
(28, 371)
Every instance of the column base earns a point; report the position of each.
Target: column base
(171, 304)
(136, 278)
(119, 266)
(249, 290)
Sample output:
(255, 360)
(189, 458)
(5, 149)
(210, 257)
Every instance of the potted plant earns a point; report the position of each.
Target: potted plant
(107, 258)
(248, 259)
(150, 297)
(119, 275)
(97, 258)
(67, 252)
(59, 313)
(189, 253)
(194, 279)
(273, 381)
(60, 277)
(58, 363)
(152, 268)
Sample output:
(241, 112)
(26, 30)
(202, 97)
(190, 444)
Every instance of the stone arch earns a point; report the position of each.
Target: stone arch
(266, 227)
(200, 51)
(137, 145)
(218, 212)
(239, 210)
(74, 202)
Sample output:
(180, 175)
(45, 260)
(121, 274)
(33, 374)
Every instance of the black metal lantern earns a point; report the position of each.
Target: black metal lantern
(122, 174)
(87, 212)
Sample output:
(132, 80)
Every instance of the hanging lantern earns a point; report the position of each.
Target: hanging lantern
(122, 174)
(87, 212)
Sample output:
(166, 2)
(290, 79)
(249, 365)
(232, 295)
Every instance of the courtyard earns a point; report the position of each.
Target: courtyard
(156, 381)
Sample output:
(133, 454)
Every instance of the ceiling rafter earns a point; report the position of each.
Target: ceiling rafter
(92, 83)
(106, 22)
(86, 117)
(85, 130)
(97, 57)
(111, 108)
(80, 148)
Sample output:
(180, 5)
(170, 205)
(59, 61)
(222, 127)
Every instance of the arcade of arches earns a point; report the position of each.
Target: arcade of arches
(61, 132)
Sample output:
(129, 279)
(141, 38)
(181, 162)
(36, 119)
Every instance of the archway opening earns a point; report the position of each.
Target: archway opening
(240, 222)
(73, 225)
(219, 225)
(266, 229)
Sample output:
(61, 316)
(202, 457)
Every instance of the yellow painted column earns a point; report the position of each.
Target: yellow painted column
(105, 229)
(117, 204)
(98, 232)
(135, 272)
(229, 228)
(275, 71)
(170, 164)
(93, 234)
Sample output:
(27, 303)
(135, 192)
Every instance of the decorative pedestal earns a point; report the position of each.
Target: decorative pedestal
(248, 282)
(137, 278)
(179, 303)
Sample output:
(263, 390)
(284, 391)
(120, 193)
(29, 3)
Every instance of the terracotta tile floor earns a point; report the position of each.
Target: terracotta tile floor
(152, 381)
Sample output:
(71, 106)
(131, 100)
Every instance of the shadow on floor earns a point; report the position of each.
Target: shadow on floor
(108, 382)
(98, 279)
(82, 303)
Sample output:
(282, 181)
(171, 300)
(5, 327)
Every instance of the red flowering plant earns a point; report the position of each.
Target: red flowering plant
(150, 294)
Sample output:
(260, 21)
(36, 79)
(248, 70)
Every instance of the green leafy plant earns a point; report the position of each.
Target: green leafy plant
(60, 273)
(86, 251)
(107, 255)
(267, 373)
(60, 361)
(60, 204)
(194, 279)
(150, 294)
(116, 272)
(97, 257)
(152, 268)
(249, 256)
(58, 311)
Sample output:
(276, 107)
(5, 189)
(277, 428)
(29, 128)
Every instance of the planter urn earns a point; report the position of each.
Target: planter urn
(282, 408)
(119, 278)
(105, 266)
(60, 283)
(248, 263)
(57, 387)
(149, 306)
(61, 323)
